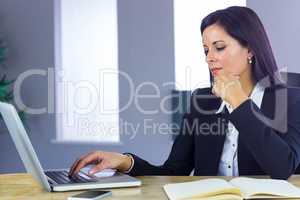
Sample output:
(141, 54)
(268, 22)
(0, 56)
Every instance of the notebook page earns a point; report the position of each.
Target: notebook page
(253, 186)
(197, 188)
(219, 197)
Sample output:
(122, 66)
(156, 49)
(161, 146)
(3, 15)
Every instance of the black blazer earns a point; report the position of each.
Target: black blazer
(268, 142)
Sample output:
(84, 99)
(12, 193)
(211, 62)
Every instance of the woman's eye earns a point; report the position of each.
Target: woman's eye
(217, 48)
(220, 48)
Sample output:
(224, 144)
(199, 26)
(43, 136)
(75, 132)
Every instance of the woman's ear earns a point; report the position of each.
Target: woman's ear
(250, 54)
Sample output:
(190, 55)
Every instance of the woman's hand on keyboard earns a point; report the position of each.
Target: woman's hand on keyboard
(101, 160)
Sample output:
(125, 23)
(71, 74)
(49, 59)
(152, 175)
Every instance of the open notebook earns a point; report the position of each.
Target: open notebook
(237, 188)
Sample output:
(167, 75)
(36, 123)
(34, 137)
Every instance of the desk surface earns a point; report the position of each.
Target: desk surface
(23, 186)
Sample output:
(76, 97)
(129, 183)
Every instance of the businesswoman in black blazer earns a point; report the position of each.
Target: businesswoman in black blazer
(246, 123)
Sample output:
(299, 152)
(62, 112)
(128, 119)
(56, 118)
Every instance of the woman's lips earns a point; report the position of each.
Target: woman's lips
(215, 70)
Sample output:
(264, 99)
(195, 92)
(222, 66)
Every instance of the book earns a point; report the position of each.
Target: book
(236, 189)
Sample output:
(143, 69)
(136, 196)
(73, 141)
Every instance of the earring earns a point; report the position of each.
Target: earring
(250, 60)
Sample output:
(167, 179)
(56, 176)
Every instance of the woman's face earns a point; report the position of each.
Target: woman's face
(224, 52)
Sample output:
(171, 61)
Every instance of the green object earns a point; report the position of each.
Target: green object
(6, 93)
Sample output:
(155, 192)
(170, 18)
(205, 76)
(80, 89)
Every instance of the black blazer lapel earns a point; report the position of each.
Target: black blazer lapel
(245, 159)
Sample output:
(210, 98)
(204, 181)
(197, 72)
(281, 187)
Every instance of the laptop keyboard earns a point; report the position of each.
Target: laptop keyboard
(62, 177)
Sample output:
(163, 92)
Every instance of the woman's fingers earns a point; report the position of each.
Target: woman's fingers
(91, 158)
(101, 166)
(102, 160)
(214, 90)
(73, 166)
(71, 171)
(223, 83)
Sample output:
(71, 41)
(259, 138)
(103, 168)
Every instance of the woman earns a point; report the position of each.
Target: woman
(245, 124)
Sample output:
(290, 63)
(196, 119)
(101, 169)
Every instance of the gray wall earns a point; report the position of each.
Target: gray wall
(145, 52)
(281, 21)
(145, 48)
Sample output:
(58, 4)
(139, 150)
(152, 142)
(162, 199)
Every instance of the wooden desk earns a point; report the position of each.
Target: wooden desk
(24, 187)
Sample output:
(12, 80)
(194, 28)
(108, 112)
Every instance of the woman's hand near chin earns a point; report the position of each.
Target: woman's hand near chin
(228, 87)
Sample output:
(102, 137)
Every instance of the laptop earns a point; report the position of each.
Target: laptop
(58, 179)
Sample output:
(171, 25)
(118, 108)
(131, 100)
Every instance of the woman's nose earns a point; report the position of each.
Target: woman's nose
(210, 57)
